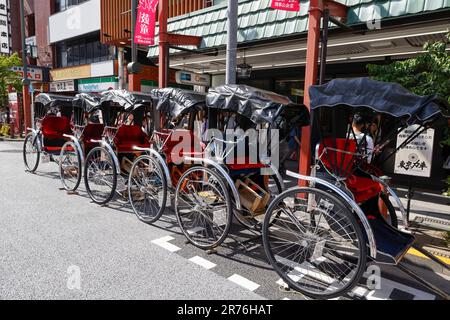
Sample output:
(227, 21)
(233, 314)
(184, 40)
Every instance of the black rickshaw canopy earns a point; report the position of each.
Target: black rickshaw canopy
(382, 97)
(50, 100)
(129, 101)
(259, 106)
(88, 102)
(175, 102)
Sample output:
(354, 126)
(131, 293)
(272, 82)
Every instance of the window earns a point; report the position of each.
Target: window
(82, 51)
(63, 5)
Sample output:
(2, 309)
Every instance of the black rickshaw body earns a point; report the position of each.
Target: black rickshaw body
(342, 156)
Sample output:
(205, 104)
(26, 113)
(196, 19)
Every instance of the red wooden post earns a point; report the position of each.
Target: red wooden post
(312, 56)
(163, 44)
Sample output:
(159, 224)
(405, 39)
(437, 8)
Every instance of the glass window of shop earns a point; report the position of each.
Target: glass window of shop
(62, 5)
(82, 51)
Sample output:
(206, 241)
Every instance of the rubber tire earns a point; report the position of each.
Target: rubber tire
(358, 231)
(228, 201)
(80, 167)
(86, 182)
(31, 170)
(165, 190)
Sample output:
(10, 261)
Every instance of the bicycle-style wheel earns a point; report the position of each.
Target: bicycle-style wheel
(203, 207)
(147, 189)
(315, 244)
(100, 175)
(31, 153)
(70, 167)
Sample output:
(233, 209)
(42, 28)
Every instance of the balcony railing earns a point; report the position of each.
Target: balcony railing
(180, 7)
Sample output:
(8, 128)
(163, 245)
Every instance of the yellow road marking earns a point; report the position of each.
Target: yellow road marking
(416, 253)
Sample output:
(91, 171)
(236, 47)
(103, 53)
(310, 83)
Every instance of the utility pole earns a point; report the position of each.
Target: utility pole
(164, 43)
(232, 41)
(29, 122)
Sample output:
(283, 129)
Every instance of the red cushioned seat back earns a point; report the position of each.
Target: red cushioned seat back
(56, 127)
(130, 134)
(337, 158)
(181, 141)
(93, 131)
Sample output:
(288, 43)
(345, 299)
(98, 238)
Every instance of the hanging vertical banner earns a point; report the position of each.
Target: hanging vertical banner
(4, 27)
(287, 5)
(146, 22)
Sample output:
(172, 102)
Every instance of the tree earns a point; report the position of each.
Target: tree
(426, 74)
(9, 77)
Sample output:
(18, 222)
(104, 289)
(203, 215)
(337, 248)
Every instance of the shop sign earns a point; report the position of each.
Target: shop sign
(12, 97)
(286, 5)
(146, 22)
(63, 86)
(33, 74)
(97, 85)
(415, 159)
(194, 79)
(79, 72)
(4, 28)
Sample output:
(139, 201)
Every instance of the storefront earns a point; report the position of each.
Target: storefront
(94, 77)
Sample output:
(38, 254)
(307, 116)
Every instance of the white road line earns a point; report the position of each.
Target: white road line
(244, 282)
(208, 265)
(388, 286)
(164, 243)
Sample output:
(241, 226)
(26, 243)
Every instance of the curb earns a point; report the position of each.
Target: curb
(11, 140)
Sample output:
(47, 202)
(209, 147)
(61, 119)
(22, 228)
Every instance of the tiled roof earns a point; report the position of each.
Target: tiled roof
(257, 21)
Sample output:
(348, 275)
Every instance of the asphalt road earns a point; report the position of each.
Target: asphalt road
(59, 246)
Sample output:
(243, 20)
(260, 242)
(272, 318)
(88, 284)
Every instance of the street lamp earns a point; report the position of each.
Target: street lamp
(244, 70)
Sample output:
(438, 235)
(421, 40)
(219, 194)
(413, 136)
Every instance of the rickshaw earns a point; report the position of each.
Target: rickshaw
(319, 238)
(234, 177)
(86, 127)
(51, 123)
(128, 123)
(154, 174)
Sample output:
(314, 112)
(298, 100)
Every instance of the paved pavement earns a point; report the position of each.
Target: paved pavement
(47, 237)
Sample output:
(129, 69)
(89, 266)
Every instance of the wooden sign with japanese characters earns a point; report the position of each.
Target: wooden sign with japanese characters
(415, 159)
(4, 28)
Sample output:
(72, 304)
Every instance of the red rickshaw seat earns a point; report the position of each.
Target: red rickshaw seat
(342, 165)
(244, 163)
(129, 137)
(54, 127)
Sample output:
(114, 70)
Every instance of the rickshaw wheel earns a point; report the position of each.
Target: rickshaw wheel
(31, 154)
(100, 175)
(391, 219)
(147, 189)
(70, 167)
(203, 207)
(315, 244)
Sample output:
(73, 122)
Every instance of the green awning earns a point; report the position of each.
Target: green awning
(258, 22)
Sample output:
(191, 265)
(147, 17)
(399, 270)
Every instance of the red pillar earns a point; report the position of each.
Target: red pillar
(27, 108)
(163, 44)
(134, 82)
(312, 57)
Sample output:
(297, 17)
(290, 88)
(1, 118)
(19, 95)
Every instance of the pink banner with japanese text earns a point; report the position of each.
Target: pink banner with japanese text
(146, 22)
(287, 5)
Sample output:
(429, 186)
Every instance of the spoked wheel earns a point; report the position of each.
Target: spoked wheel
(70, 166)
(100, 175)
(246, 218)
(391, 217)
(31, 154)
(147, 189)
(315, 243)
(203, 207)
